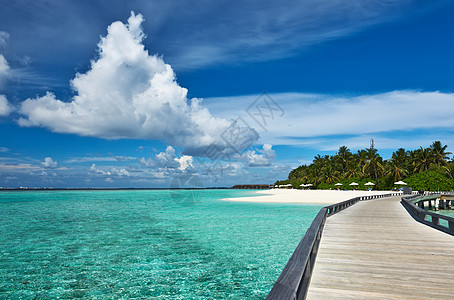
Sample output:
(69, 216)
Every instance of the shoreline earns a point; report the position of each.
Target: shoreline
(316, 197)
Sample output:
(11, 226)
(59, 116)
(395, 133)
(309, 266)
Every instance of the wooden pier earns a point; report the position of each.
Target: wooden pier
(376, 250)
(437, 202)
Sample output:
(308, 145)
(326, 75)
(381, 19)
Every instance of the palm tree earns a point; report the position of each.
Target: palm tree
(401, 157)
(353, 172)
(344, 155)
(422, 159)
(395, 171)
(439, 154)
(329, 174)
(373, 164)
(315, 175)
(449, 169)
(361, 158)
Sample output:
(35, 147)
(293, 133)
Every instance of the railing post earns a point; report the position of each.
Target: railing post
(421, 215)
(435, 220)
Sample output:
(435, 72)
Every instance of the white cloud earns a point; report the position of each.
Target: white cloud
(4, 36)
(4, 66)
(186, 163)
(168, 160)
(96, 170)
(263, 158)
(3, 149)
(5, 107)
(128, 93)
(123, 172)
(19, 168)
(110, 171)
(49, 163)
(310, 119)
(111, 158)
(4, 70)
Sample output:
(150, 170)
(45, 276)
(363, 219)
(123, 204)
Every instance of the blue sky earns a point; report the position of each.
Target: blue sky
(146, 94)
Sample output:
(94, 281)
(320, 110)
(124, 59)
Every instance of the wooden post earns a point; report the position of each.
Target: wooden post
(441, 204)
(435, 220)
(451, 225)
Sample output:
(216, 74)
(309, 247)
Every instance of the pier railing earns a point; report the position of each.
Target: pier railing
(437, 221)
(294, 280)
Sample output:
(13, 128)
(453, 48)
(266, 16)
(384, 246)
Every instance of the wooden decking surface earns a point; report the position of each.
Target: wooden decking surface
(376, 250)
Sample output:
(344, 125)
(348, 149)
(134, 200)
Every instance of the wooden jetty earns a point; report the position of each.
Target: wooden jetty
(436, 202)
(376, 250)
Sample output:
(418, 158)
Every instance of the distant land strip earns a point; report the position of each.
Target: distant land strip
(252, 186)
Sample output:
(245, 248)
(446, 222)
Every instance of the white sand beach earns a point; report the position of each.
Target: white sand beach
(304, 196)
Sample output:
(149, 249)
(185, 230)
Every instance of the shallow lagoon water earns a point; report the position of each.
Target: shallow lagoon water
(144, 244)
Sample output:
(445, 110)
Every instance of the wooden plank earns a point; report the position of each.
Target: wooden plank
(376, 250)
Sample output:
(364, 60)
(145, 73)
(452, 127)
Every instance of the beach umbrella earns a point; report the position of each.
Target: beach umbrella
(354, 183)
(400, 183)
(303, 185)
(338, 184)
(309, 184)
(369, 183)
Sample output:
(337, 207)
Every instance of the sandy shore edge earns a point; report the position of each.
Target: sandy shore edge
(304, 196)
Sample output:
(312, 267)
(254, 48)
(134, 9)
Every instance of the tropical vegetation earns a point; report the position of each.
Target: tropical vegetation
(423, 168)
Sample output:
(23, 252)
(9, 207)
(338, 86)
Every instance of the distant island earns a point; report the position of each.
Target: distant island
(251, 186)
(425, 168)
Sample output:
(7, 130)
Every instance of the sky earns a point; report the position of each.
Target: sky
(158, 94)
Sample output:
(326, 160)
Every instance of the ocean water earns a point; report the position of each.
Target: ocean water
(156, 244)
(446, 212)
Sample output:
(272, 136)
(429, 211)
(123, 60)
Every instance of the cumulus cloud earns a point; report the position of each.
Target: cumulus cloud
(128, 93)
(5, 107)
(49, 163)
(263, 158)
(169, 160)
(186, 163)
(109, 171)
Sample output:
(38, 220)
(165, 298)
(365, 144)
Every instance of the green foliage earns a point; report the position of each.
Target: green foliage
(367, 165)
(326, 186)
(430, 180)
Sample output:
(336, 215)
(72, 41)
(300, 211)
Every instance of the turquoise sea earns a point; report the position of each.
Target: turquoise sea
(445, 212)
(158, 244)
